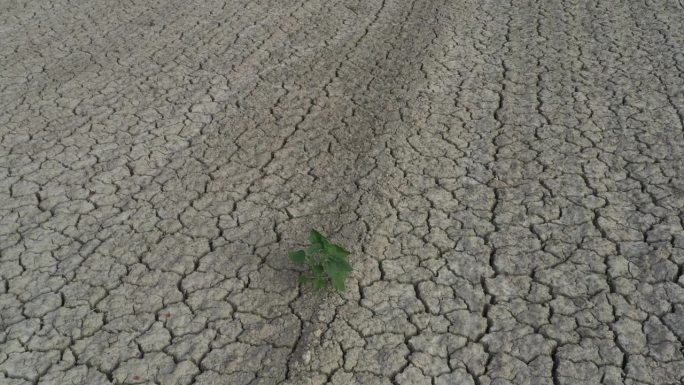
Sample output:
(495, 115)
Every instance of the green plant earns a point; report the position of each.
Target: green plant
(327, 262)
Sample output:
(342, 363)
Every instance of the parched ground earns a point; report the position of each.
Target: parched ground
(509, 176)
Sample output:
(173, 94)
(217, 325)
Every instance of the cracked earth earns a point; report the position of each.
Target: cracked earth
(509, 176)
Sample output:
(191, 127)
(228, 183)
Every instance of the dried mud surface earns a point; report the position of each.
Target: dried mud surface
(509, 176)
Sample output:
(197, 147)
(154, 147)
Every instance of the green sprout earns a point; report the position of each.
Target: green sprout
(327, 262)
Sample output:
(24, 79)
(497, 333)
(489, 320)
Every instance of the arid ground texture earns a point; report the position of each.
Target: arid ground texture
(508, 175)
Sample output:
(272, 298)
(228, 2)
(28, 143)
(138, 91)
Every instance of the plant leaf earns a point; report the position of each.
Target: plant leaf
(335, 250)
(303, 278)
(314, 249)
(317, 239)
(338, 269)
(319, 283)
(342, 262)
(298, 257)
(317, 269)
(338, 283)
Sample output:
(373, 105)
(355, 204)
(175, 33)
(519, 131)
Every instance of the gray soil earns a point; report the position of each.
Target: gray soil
(509, 176)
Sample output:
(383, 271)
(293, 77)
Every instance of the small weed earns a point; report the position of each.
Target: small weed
(327, 262)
